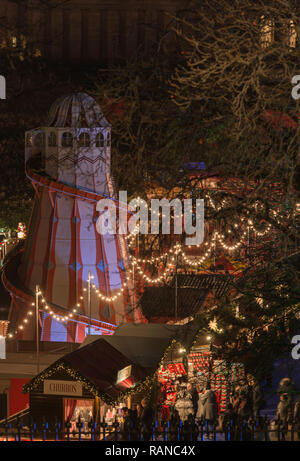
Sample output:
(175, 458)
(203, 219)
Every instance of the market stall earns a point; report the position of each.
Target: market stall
(105, 374)
(85, 383)
(199, 368)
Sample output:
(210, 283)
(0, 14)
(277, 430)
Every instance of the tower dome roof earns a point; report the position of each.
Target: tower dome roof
(77, 110)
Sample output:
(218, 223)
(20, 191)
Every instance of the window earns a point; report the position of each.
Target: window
(84, 140)
(52, 139)
(67, 139)
(28, 140)
(14, 41)
(266, 31)
(292, 35)
(39, 140)
(100, 140)
(282, 31)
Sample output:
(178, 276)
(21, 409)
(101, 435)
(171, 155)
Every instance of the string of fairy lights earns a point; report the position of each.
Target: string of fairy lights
(44, 307)
(168, 256)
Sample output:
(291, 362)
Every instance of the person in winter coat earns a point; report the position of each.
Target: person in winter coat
(209, 403)
(286, 391)
(193, 391)
(146, 420)
(200, 412)
(244, 406)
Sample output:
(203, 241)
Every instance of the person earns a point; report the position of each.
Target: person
(209, 402)
(286, 391)
(199, 414)
(124, 424)
(193, 391)
(163, 412)
(244, 406)
(283, 409)
(184, 404)
(138, 410)
(146, 419)
(257, 399)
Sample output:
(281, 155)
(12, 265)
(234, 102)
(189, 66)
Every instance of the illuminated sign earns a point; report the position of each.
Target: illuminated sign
(123, 374)
(62, 387)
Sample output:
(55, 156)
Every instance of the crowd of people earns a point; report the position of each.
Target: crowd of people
(246, 400)
(198, 406)
(137, 422)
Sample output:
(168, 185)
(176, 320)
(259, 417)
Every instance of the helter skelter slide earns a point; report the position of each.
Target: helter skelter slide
(82, 276)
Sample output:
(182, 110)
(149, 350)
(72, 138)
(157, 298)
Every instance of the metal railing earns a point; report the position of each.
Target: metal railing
(260, 430)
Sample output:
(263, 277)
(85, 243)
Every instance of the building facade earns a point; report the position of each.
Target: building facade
(89, 31)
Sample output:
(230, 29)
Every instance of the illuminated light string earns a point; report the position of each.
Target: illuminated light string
(148, 279)
(21, 327)
(45, 308)
(108, 299)
(48, 310)
(103, 297)
(276, 212)
(200, 260)
(176, 249)
(220, 237)
(133, 233)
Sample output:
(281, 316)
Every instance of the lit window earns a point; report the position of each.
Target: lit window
(67, 139)
(84, 140)
(266, 32)
(292, 42)
(100, 140)
(28, 140)
(14, 41)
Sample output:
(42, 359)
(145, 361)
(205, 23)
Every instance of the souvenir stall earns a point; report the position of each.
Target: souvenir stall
(199, 368)
(169, 375)
(203, 368)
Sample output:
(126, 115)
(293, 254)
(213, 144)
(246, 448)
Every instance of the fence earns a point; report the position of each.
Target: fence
(260, 430)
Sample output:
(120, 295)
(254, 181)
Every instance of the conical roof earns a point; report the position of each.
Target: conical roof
(77, 110)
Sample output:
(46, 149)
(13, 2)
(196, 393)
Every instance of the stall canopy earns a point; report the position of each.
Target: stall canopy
(145, 344)
(97, 365)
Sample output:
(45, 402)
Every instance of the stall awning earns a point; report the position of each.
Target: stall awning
(97, 365)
